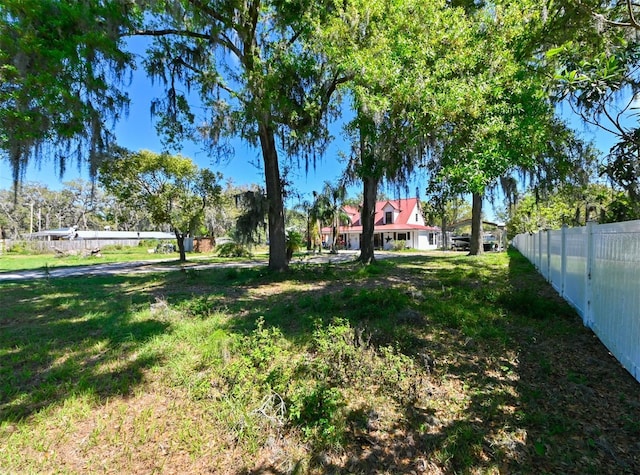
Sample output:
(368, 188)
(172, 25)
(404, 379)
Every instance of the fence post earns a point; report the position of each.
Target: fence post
(588, 289)
(548, 233)
(539, 256)
(563, 259)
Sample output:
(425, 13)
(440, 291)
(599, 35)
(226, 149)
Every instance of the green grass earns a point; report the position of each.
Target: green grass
(11, 262)
(439, 364)
(14, 261)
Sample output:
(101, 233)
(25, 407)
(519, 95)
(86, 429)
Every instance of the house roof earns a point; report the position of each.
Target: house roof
(404, 207)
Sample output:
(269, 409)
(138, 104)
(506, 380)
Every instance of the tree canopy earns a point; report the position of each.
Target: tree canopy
(596, 74)
(258, 72)
(462, 85)
(170, 187)
(61, 65)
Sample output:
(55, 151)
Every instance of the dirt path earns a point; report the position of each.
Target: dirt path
(142, 267)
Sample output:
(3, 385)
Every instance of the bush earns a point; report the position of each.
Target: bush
(318, 411)
(294, 242)
(232, 249)
(26, 248)
(399, 246)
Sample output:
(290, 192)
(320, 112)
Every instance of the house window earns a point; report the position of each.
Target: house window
(388, 217)
(402, 236)
(416, 217)
(432, 239)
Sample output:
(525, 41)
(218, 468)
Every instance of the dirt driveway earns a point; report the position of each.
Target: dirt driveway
(141, 267)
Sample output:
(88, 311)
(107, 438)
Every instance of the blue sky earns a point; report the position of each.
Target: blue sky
(137, 132)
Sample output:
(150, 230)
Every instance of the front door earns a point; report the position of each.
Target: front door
(377, 241)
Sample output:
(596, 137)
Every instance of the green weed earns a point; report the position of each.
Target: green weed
(421, 362)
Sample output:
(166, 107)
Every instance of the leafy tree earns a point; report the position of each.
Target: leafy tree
(328, 209)
(126, 216)
(34, 207)
(568, 204)
(305, 207)
(252, 220)
(596, 72)
(220, 220)
(505, 120)
(60, 65)
(444, 208)
(417, 46)
(257, 70)
(86, 204)
(170, 187)
(255, 67)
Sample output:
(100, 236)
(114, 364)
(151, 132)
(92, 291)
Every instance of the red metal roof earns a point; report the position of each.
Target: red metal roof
(405, 208)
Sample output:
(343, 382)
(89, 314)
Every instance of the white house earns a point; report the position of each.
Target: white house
(396, 222)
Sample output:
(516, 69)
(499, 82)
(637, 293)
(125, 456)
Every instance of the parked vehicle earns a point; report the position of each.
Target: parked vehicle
(463, 243)
(460, 243)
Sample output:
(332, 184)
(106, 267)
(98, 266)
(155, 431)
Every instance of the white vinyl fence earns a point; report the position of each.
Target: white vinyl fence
(595, 268)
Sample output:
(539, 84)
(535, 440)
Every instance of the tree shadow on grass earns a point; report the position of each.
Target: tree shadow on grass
(518, 384)
(576, 400)
(534, 391)
(67, 337)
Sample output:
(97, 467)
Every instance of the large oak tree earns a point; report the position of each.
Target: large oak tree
(257, 71)
(250, 69)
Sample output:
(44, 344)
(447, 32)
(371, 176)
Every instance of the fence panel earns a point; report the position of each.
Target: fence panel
(576, 268)
(76, 244)
(555, 260)
(616, 293)
(543, 254)
(597, 270)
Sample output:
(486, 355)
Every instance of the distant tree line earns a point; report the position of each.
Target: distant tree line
(79, 203)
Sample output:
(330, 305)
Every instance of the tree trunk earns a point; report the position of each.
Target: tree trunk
(277, 238)
(367, 219)
(445, 237)
(370, 181)
(319, 236)
(476, 226)
(334, 237)
(180, 239)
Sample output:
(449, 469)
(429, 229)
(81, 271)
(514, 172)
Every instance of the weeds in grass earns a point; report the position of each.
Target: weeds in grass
(421, 364)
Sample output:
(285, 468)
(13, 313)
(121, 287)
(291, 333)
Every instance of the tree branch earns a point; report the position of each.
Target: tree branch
(213, 13)
(168, 32)
(331, 87)
(590, 121)
(632, 17)
(222, 86)
(633, 22)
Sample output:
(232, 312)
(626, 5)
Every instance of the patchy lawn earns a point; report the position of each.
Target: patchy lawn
(421, 364)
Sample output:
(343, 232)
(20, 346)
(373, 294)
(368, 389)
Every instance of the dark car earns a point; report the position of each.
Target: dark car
(460, 243)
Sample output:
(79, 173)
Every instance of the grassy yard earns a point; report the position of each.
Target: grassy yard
(420, 364)
(10, 262)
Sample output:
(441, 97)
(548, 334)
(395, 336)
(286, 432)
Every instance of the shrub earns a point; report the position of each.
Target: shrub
(294, 242)
(399, 246)
(232, 249)
(318, 411)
